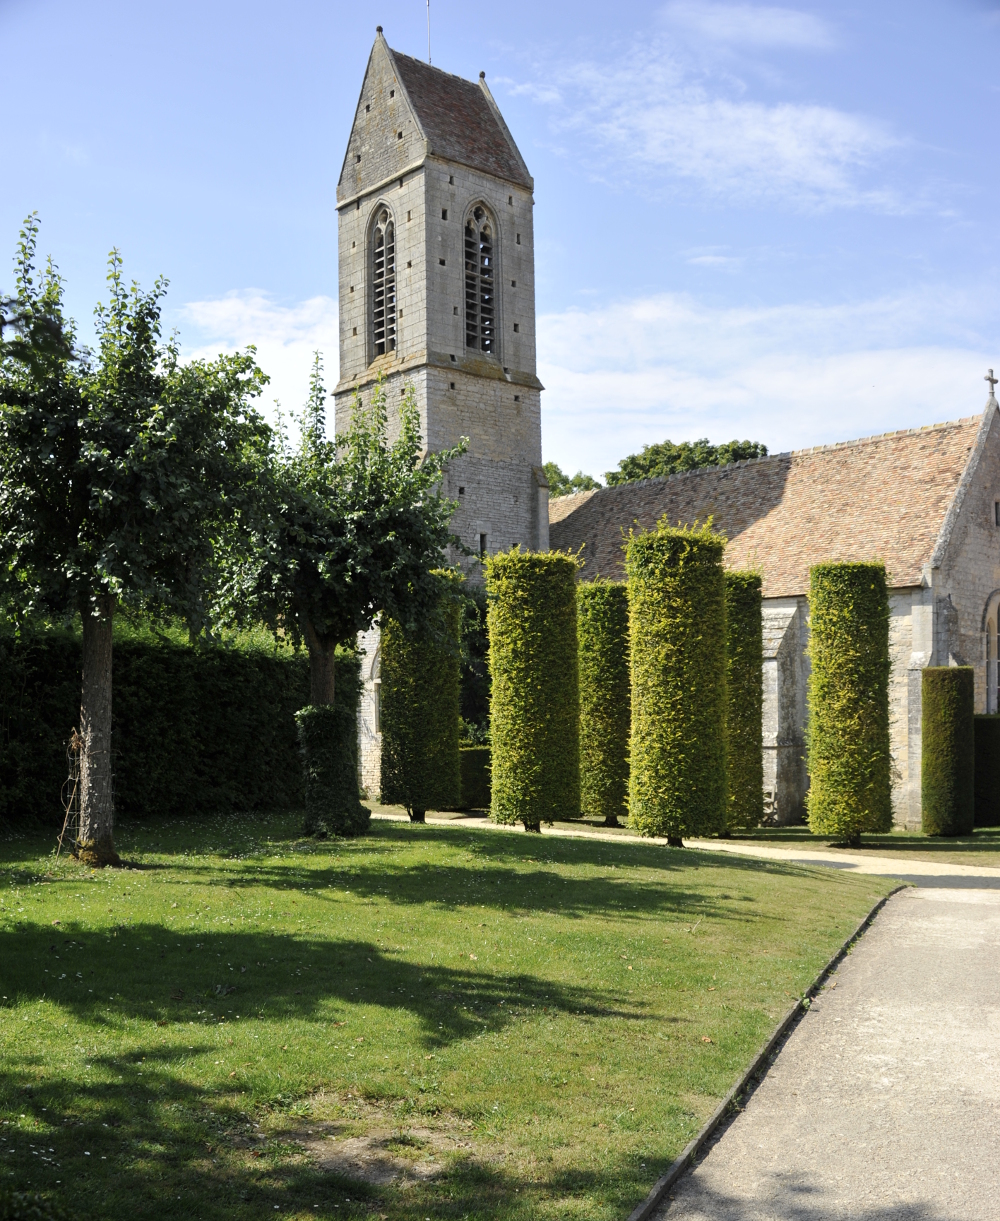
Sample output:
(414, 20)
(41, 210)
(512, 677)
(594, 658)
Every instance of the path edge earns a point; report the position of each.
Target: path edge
(758, 1067)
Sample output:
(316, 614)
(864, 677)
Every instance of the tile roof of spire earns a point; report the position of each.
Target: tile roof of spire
(460, 120)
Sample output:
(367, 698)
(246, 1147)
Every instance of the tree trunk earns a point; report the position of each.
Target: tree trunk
(96, 844)
(674, 841)
(321, 673)
(417, 815)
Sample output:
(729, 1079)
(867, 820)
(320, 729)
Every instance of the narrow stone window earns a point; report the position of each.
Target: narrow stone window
(454, 310)
(444, 213)
(377, 689)
(451, 385)
(510, 199)
(517, 327)
(399, 135)
(409, 262)
(991, 665)
(384, 284)
(461, 491)
(357, 158)
(392, 93)
(996, 512)
(367, 108)
(480, 302)
(407, 216)
(355, 330)
(451, 180)
(482, 546)
(513, 284)
(519, 239)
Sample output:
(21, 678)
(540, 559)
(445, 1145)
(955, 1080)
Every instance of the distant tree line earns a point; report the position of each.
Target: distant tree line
(656, 461)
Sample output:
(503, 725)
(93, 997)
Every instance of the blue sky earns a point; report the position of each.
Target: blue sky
(764, 221)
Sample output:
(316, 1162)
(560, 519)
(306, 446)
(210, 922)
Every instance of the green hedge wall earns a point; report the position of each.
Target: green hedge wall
(420, 715)
(328, 748)
(197, 729)
(947, 752)
(744, 699)
(605, 711)
(850, 774)
(677, 629)
(475, 762)
(987, 771)
(535, 699)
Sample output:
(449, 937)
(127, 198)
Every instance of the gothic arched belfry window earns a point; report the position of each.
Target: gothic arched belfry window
(384, 283)
(480, 281)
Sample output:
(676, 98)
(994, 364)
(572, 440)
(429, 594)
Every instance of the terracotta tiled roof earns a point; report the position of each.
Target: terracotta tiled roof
(459, 122)
(878, 498)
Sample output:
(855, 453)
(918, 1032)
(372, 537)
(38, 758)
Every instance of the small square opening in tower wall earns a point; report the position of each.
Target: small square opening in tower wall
(357, 158)
(399, 135)
(451, 180)
(510, 199)
(517, 398)
(444, 213)
(442, 262)
(517, 328)
(355, 330)
(451, 385)
(518, 236)
(392, 93)
(461, 491)
(454, 310)
(513, 284)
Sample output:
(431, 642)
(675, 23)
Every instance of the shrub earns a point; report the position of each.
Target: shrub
(848, 730)
(197, 729)
(535, 705)
(987, 750)
(420, 714)
(602, 627)
(475, 761)
(744, 699)
(328, 747)
(677, 629)
(947, 756)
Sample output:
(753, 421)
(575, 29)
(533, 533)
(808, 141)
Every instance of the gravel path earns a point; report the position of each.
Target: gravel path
(883, 1103)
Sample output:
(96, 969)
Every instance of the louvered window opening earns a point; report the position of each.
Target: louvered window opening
(384, 282)
(480, 298)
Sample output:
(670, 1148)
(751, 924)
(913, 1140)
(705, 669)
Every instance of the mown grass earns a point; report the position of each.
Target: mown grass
(172, 1031)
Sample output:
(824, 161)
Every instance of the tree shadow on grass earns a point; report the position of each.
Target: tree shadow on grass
(510, 875)
(144, 971)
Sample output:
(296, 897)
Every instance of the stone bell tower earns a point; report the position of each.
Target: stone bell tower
(437, 291)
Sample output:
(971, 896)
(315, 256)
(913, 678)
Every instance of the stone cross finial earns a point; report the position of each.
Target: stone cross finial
(993, 382)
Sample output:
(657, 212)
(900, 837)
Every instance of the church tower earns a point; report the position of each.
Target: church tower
(437, 291)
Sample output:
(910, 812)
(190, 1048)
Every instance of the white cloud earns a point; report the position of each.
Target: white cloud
(790, 376)
(285, 338)
(751, 25)
(656, 118)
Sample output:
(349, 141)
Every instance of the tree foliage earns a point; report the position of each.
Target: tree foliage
(744, 699)
(602, 629)
(677, 631)
(357, 527)
(850, 766)
(535, 700)
(120, 474)
(561, 484)
(668, 458)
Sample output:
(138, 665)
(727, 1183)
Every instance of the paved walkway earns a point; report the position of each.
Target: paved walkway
(883, 1103)
(920, 873)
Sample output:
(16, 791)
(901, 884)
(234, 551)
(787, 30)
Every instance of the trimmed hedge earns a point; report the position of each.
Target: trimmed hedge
(987, 748)
(947, 752)
(535, 699)
(420, 715)
(475, 762)
(328, 747)
(744, 699)
(198, 730)
(602, 629)
(849, 762)
(677, 629)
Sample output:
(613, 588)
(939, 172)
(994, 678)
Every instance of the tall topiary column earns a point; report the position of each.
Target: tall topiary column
(420, 714)
(328, 744)
(947, 756)
(744, 699)
(602, 628)
(677, 631)
(988, 770)
(848, 732)
(535, 703)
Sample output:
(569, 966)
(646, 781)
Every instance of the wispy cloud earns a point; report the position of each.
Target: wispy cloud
(285, 338)
(751, 25)
(791, 376)
(660, 117)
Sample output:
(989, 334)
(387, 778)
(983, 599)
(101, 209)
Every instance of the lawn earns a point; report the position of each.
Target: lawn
(514, 1027)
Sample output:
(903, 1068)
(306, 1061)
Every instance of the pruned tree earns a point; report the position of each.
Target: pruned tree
(121, 471)
(357, 528)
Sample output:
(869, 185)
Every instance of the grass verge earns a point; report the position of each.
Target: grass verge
(430, 1021)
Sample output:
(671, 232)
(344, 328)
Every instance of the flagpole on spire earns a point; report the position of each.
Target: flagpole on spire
(428, 31)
